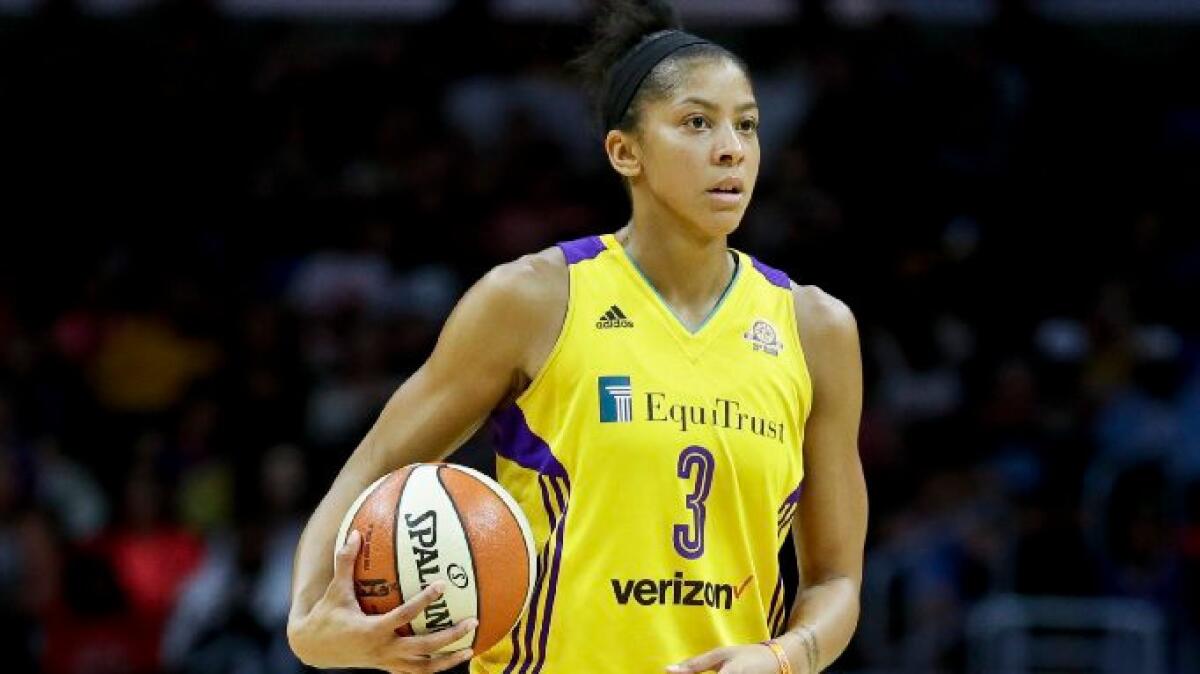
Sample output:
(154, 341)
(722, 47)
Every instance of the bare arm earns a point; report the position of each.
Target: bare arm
(830, 530)
(500, 331)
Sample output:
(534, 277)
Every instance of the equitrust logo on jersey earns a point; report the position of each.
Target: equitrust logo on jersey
(616, 405)
(616, 399)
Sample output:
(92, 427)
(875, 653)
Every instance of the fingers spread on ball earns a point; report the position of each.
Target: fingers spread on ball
(436, 663)
(343, 562)
(406, 612)
(431, 643)
(444, 662)
(342, 583)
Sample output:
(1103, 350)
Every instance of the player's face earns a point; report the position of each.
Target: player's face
(700, 149)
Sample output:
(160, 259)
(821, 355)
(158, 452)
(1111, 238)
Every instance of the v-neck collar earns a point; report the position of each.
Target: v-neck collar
(690, 338)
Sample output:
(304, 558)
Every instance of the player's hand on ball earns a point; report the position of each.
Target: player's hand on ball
(750, 659)
(336, 633)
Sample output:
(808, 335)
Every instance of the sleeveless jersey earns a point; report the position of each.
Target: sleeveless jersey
(659, 469)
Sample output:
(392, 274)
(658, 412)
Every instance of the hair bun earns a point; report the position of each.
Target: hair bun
(632, 20)
(618, 26)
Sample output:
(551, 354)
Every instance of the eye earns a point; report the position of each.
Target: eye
(697, 122)
(748, 125)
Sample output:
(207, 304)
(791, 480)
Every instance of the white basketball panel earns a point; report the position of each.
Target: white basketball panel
(430, 540)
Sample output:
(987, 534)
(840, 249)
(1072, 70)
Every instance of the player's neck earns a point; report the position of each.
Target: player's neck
(689, 272)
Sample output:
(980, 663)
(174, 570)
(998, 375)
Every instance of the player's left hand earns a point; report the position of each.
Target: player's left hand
(749, 659)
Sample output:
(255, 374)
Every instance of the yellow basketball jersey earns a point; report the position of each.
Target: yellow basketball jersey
(659, 468)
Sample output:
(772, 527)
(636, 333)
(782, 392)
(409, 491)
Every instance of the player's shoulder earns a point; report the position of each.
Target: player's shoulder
(829, 338)
(828, 333)
(820, 313)
(535, 282)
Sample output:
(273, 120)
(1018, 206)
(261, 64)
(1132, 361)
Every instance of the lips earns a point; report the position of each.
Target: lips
(727, 186)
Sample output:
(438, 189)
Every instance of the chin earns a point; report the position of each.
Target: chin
(721, 223)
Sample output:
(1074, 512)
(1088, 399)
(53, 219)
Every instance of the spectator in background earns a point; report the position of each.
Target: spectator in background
(130, 576)
(144, 365)
(232, 614)
(19, 564)
(91, 627)
(68, 490)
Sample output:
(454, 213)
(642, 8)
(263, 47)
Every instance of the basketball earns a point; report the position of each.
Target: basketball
(428, 522)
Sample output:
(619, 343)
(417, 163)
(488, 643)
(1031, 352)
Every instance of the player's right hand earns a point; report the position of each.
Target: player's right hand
(336, 633)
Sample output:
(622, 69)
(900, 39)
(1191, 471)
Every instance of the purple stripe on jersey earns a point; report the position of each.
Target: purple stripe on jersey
(559, 498)
(550, 516)
(581, 249)
(547, 578)
(786, 512)
(786, 518)
(529, 620)
(772, 274)
(562, 526)
(788, 508)
(793, 497)
(516, 647)
(775, 598)
(516, 442)
(531, 616)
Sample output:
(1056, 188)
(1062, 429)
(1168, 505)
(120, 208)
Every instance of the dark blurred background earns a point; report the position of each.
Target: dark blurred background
(231, 228)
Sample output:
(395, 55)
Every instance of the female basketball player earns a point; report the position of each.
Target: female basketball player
(658, 398)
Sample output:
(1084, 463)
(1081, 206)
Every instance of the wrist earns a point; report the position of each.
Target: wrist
(780, 654)
(794, 650)
(304, 638)
(800, 644)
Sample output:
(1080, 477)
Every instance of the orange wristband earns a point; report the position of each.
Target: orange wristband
(785, 667)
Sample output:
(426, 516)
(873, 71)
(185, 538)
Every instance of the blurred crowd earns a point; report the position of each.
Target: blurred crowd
(226, 242)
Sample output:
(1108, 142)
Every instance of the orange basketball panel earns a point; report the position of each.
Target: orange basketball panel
(375, 582)
(498, 550)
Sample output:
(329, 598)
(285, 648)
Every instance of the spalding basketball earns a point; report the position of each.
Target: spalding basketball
(428, 522)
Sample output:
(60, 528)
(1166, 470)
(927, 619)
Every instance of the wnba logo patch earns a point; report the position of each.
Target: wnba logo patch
(616, 399)
(763, 337)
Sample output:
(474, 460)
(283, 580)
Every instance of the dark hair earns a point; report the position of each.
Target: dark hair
(621, 25)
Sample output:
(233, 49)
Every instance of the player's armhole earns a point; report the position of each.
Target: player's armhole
(801, 355)
(559, 340)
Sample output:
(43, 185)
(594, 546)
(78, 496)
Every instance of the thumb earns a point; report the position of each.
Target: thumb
(343, 563)
(701, 663)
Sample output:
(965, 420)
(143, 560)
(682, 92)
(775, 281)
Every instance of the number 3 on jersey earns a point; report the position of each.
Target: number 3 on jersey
(695, 463)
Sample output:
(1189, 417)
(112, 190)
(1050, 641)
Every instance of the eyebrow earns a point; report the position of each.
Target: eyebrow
(751, 105)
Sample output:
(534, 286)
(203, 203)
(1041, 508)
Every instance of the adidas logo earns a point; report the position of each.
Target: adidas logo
(614, 318)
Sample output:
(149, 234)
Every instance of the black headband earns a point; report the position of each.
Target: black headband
(627, 74)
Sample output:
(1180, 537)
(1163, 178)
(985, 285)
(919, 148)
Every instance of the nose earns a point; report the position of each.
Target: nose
(728, 149)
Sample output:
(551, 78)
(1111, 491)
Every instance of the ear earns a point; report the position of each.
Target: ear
(624, 153)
